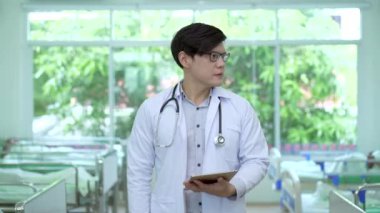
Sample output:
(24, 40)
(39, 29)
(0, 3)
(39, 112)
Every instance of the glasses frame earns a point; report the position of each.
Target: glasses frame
(214, 56)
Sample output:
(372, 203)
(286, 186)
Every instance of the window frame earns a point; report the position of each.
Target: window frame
(112, 43)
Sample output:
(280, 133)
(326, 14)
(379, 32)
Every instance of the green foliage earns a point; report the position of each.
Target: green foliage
(72, 82)
(124, 125)
(74, 86)
(250, 73)
(309, 110)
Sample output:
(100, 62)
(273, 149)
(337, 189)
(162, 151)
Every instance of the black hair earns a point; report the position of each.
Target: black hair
(196, 38)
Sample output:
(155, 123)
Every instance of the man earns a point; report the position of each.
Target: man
(215, 131)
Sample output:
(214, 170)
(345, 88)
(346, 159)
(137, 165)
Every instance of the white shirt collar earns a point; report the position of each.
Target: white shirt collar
(215, 91)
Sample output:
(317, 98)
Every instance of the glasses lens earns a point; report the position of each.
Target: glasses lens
(214, 57)
(226, 56)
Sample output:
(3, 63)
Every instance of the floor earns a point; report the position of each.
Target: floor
(263, 209)
(250, 209)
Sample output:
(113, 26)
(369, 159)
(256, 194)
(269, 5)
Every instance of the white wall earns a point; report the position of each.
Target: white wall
(369, 80)
(15, 82)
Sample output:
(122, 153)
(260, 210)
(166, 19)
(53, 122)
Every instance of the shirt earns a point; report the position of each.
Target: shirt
(195, 117)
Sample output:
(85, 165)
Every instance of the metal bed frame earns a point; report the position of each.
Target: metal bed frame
(291, 192)
(105, 168)
(45, 168)
(274, 169)
(321, 159)
(360, 193)
(51, 198)
(115, 142)
(339, 204)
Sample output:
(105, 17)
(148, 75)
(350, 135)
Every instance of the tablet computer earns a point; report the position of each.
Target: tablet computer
(213, 178)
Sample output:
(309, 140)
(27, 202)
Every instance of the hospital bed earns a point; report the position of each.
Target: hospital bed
(308, 170)
(293, 199)
(314, 166)
(100, 161)
(50, 198)
(81, 142)
(77, 181)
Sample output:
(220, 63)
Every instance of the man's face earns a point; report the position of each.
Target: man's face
(207, 72)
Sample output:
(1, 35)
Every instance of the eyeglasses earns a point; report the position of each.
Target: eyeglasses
(214, 56)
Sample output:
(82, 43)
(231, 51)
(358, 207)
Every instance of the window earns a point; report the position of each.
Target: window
(318, 94)
(140, 72)
(92, 69)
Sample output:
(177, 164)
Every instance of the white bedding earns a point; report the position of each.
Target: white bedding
(36, 148)
(14, 176)
(354, 163)
(80, 159)
(345, 164)
(306, 170)
(15, 193)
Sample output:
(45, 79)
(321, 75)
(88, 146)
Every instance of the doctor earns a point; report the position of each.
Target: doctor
(191, 129)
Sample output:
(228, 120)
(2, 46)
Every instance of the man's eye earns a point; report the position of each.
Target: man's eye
(214, 56)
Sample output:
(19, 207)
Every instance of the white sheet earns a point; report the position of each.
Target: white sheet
(14, 193)
(21, 176)
(306, 170)
(348, 164)
(72, 158)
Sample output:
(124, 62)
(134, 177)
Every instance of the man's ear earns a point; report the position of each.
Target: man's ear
(184, 59)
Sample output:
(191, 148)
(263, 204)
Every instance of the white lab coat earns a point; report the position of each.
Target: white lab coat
(245, 150)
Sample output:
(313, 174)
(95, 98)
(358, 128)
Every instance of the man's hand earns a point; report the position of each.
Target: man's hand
(221, 188)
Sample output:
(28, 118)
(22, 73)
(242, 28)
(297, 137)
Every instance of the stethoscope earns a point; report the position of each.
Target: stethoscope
(219, 139)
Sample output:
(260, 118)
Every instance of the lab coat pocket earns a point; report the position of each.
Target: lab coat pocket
(231, 146)
(162, 204)
(162, 144)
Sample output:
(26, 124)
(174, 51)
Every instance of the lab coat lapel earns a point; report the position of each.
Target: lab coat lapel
(211, 116)
(181, 126)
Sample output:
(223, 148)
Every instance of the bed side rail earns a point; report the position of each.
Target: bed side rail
(108, 167)
(50, 199)
(291, 192)
(360, 193)
(338, 204)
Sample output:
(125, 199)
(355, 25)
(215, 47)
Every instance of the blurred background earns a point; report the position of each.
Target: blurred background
(82, 68)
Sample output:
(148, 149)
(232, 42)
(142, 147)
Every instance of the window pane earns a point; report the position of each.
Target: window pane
(318, 94)
(140, 73)
(69, 25)
(126, 24)
(150, 24)
(70, 91)
(250, 73)
(241, 24)
(320, 24)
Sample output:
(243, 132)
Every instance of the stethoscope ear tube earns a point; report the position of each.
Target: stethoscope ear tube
(157, 137)
(171, 140)
(219, 140)
(166, 103)
(171, 99)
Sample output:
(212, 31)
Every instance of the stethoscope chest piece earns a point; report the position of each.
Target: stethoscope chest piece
(219, 140)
